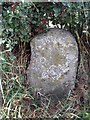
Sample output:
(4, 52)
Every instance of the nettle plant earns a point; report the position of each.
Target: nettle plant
(22, 21)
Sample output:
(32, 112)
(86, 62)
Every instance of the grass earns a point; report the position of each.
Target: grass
(19, 101)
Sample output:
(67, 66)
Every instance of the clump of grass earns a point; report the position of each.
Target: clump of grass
(18, 99)
(20, 102)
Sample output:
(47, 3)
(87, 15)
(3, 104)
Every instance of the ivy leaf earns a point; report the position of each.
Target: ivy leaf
(34, 22)
(56, 11)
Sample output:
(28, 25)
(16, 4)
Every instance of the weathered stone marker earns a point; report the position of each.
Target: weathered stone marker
(53, 65)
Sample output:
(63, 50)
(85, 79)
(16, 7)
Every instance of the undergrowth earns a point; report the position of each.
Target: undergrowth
(18, 100)
(17, 97)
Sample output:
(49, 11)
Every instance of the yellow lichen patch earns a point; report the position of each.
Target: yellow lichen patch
(62, 77)
(58, 58)
(57, 82)
(42, 53)
(35, 75)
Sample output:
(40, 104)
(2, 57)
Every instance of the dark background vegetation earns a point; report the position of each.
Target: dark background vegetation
(23, 21)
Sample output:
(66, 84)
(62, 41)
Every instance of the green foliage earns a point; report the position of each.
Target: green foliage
(84, 116)
(22, 21)
(12, 86)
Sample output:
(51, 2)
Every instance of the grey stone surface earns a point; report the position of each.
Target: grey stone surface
(53, 65)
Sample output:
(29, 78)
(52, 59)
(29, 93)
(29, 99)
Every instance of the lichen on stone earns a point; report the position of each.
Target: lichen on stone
(54, 59)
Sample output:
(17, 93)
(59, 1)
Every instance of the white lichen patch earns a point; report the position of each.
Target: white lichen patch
(54, 72)
(42, 60)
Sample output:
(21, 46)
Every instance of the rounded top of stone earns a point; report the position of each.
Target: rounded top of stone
(57, 35)
(55, 32)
